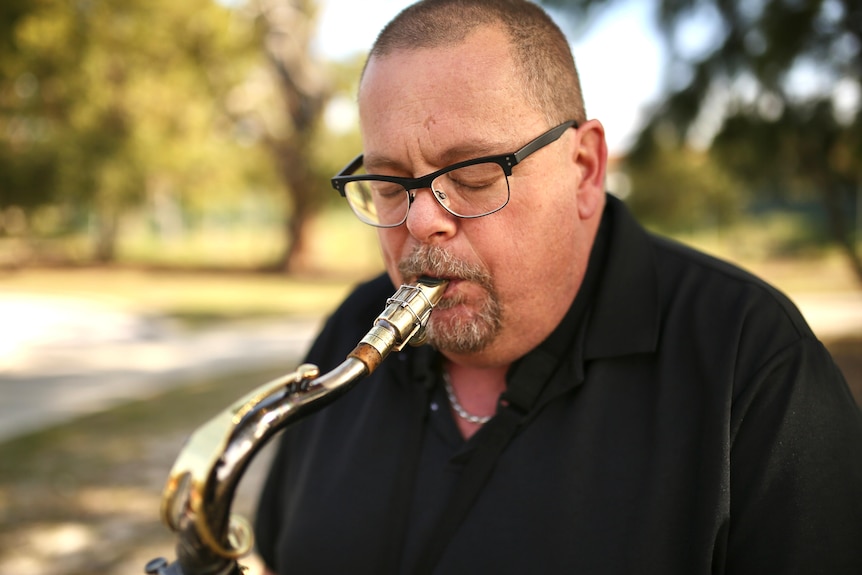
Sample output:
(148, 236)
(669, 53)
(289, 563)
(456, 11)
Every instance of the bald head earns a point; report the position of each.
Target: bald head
(539, 49)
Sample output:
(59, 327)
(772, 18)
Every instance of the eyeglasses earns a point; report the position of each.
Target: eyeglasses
(468, 189)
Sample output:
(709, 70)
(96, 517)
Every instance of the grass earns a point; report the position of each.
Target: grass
(210, 276)
(335, 243)
(193, 296)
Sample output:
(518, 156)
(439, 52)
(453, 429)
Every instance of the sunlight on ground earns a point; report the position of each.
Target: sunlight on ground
(66, 548)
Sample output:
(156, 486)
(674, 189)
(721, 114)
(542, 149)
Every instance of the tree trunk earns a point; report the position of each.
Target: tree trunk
(294, 258)
(843, 236)
(304, 91)
(105, 241)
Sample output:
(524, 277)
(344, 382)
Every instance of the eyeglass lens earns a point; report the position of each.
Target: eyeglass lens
(470, 191)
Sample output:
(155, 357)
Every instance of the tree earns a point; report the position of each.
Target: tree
(683, 191)
(108, 106)
(104, 104)
(783, 79)
(304, 89)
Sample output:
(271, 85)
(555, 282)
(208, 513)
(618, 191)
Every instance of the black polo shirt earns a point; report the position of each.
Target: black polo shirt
(688, 422)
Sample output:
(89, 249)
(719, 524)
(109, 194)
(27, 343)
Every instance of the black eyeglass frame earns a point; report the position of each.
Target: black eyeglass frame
(505, 161)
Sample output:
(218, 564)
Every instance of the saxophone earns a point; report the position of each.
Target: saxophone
(197, 497)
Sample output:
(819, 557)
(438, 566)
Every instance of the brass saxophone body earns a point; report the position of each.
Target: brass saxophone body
(197, 497)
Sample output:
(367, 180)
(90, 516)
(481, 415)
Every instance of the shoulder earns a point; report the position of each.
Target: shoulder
(658, 295)
(742, 326)
(691, 305)
(714, 290)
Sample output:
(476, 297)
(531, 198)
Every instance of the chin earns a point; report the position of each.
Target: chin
(455, 328)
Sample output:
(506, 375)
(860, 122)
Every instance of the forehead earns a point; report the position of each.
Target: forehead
(465, 94)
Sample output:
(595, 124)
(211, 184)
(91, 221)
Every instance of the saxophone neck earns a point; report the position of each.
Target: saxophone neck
(197, 498)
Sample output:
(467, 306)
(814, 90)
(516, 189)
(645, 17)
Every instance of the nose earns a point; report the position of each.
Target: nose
(427, 220)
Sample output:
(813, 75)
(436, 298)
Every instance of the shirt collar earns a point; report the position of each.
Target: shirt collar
(625, 313)
(564, 346)
(615, 313)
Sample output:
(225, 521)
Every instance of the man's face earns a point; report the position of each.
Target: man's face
(513, 273)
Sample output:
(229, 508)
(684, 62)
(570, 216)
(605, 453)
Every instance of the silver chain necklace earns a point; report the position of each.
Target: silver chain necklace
(459, 409)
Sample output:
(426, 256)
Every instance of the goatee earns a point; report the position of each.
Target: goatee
(467, 332)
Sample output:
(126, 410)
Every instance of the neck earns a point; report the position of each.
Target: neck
(477, 390)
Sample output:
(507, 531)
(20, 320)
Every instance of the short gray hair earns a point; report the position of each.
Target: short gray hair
(540, 49)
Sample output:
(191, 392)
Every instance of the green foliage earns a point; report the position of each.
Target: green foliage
(118, 116)
(111, 105)
(778, 78)
(683, 191)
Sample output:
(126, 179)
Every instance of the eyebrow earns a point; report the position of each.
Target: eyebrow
(377, 163)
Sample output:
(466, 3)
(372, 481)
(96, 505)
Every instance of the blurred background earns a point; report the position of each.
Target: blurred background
(169, 239)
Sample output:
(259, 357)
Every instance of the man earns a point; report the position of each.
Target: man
(595, 399)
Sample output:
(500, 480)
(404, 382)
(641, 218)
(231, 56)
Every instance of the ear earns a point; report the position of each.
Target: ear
(591, 157)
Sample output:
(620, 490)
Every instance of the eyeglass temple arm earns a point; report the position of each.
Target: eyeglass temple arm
(353, 166)
(544, 140)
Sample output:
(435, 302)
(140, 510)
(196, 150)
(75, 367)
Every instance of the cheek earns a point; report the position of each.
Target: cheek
(538, 238)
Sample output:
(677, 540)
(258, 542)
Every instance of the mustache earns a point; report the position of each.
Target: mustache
(437, 262)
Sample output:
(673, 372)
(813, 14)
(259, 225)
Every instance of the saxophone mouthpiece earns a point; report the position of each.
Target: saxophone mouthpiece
(431, 281)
